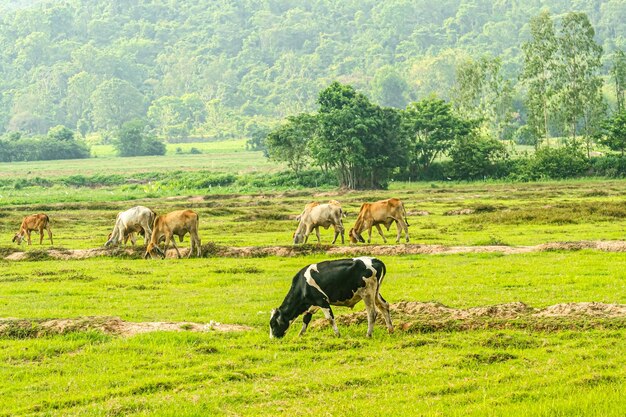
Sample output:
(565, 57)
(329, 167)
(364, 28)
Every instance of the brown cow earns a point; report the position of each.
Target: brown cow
(178, 223)
(381, 212)
(37, 222)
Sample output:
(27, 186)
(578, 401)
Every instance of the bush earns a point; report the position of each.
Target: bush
(475, 157)
(611, 166)
(555, 163)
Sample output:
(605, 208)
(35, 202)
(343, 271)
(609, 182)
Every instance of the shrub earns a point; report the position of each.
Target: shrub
(557, 163)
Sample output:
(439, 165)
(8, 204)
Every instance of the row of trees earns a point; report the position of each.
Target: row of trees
(134, 138)
(366, 145)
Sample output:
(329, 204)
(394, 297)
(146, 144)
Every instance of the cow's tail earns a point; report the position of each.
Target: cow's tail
(380, 275)
(406, 220)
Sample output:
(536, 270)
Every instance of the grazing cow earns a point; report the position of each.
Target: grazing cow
(177, 223)
(37, 222)
(342, 282)
(316, 215)
(381, 212)
(134, 220)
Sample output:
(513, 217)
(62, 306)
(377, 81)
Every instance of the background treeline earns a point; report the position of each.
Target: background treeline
(365, 145)
(197, 68)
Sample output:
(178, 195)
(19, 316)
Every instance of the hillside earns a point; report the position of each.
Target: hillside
(208, 68)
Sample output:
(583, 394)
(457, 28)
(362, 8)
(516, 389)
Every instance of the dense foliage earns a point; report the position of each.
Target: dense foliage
(59, 143)
(201, 68)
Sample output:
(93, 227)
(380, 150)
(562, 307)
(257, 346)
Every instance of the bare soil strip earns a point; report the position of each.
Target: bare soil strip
(413, 316)
(408, 316)
(212, 250)
(24, 328)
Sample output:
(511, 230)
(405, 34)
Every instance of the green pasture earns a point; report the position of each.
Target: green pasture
(504, 213)
(484, 372)
(575, 368)
(220, 156)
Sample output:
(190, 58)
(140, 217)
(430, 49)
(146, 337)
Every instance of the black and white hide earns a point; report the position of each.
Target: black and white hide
(342, 282)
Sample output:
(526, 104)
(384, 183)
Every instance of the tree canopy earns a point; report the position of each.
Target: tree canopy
(203, 68)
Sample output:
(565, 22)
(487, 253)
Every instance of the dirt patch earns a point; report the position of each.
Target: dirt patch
(213, 250)
(418, 213)
(413, 316)
(459, 212)
(20, 329)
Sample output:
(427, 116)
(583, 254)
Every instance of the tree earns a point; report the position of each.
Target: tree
(482, 93)
(476, 157)
(289, 142)
(389, 88)
(133, 140)
(360, 141)
(61, 133)
(614, 132)
(115, 102)
(431, 128)
(618, 72)
(577, 67)
(539, 61)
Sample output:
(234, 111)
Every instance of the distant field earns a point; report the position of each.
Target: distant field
(513, 366)
(220, 156)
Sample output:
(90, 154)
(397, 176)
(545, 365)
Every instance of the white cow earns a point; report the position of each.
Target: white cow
(136, 219)
(316, 215)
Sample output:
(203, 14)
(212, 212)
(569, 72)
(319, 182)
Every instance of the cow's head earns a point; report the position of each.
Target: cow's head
(298, 238)
(18, 238)
(109, 240)
(278, 325)
(151, 249)
(355, 237)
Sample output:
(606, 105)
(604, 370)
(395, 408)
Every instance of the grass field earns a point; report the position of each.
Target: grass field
(571, 366)
(216, 156)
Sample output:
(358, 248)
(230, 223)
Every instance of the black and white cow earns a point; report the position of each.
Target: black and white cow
(342, 282)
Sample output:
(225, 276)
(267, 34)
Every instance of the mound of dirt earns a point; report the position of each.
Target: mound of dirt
(416, 316)
(459, 212)
(213, 250)
(22, 328)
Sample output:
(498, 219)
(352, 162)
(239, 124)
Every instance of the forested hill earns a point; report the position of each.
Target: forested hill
(208, 67)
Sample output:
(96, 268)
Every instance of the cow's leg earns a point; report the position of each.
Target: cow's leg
(406, 230)
(336, 235)
(369, 234)
(166, 245)
(49, 234)
(173, 240)
(317, 233)
(399, 227)
(28, 237)
(383, 307)
(342, 231)
(147, 233)
(370, 306)
(306, 319)
(328, 313)
(195, 238)
(41, 235)
(380, 232)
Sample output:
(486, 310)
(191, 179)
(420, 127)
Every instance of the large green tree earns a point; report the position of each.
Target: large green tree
(483, 93)
(431, 128)
(614, 132)
(290, 141)
(360, 141)
(537, 76)
(578, 63)
(618, 73)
